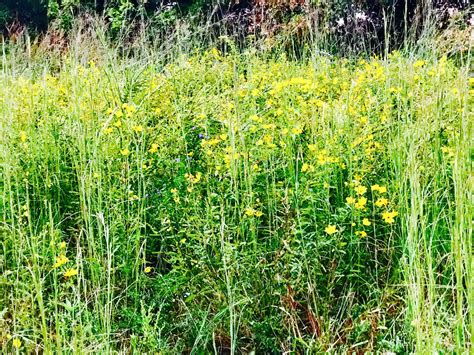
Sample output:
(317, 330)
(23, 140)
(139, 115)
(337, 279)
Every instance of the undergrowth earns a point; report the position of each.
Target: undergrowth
(235, 202)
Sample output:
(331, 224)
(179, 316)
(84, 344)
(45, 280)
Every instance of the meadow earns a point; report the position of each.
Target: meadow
(235, 201)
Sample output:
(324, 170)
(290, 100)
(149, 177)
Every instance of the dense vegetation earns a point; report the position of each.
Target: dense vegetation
(344, 25)
(159, 195)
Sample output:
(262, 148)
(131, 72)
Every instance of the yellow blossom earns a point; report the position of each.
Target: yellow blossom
(377, 187)
(147, 270)
(418, 64)
(360, 190)
(366, 222)
(388, 217)
(60, 261)
(137, 129)
(70, 272)
(23, 136)
(154, 148)
(361, 234)
(361, 202)
(249, 212)
(125, 152)
(381, 202)
(297, 130)
(62, 245)
(16, 343)
(350, 200)
(330, 229)
(255, 118)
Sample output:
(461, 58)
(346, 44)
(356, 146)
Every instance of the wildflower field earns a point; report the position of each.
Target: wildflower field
(236, 202)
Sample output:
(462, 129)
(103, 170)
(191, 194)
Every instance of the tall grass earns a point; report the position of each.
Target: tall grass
(201, 202)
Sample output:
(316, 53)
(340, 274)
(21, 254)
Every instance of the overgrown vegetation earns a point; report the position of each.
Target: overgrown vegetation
(160, 196)
(340, 26)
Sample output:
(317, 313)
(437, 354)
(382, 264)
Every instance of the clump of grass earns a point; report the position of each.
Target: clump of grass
(235, 202)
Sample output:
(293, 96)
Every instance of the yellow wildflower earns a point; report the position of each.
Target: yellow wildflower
(137, 129)
(330, 229)
(16, 343)
(297, 130)
(418, 64)
(249, 212)
(377, 187)
(350, 200)
(60, 261)
(366, 222)
(154, 148)
(255, 118)
(361, 202)
(304, 168)
(70, 272)
(381, 202)
(62, 245)
(361, 234)
(147, 270)
(360, 190)
(23, 136)
(322, 159)
(388, 217)
(125, 152)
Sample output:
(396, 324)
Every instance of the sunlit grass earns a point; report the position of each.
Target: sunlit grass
(236, 201)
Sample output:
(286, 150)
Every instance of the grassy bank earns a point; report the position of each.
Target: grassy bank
(236, 202)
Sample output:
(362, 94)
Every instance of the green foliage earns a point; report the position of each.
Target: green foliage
(234, 202)
(4, 15)
(118, 15)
